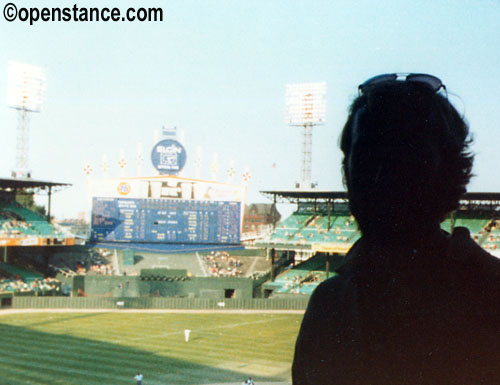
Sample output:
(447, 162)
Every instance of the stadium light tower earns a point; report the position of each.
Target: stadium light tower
(26, 91)
(305, 107)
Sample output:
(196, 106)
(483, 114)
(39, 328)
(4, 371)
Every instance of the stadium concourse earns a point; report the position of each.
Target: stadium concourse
(312, 242)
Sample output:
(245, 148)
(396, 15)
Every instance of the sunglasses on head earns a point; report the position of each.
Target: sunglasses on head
(430, 81)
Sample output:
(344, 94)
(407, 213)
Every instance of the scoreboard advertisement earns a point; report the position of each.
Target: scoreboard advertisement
(165, 220)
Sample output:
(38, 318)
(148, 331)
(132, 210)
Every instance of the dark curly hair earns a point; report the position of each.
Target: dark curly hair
(406, 156)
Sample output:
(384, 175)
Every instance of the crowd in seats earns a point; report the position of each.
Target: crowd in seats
(98, 269)
(492, 241)
(94, 263)
(13, 226)
(26, 280)
(17, 221)
(222, 264)
(81, 270)
(45, 286)
(492, 244)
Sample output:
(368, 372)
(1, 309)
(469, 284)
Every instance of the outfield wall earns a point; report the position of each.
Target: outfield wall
(133, 286)
(299, 303)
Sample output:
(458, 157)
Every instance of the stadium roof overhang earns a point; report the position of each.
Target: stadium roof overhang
(284, 246)
(296, 196)
(481, 197)
(16, 184)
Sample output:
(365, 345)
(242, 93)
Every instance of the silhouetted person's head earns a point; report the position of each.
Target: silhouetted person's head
(406, 159)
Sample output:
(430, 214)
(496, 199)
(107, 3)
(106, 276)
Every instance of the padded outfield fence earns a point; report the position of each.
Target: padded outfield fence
(160, 303)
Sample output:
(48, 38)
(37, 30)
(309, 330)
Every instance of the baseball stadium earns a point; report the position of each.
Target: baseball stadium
(190, 313)
(171, 273)
(177, 277)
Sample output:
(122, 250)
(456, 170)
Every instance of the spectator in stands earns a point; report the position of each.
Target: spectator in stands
(412, 304)
(221, 264)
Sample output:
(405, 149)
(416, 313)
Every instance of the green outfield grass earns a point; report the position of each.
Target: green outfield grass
(109, 348)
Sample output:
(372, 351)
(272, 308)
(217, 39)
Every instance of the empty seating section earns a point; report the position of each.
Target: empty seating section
(446, 225)
(345, 229)
(314, 228)
(302, 279)
(18, 221)
(341, 228)
(299, 281)
(287, 229)
(19, 273)
(475, 225)
(476, 222)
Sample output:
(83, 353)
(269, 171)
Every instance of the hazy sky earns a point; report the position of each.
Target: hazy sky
(218, 70)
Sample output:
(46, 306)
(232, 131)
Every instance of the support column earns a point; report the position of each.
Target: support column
(49, 204)
(273, 252)
(329, 224)
(305, 181)
(275, 211)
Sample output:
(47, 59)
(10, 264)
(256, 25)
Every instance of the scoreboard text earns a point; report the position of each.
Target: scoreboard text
(165, 221)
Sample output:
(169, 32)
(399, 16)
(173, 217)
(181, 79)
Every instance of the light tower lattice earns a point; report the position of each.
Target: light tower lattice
(305, 105)
(26, 90)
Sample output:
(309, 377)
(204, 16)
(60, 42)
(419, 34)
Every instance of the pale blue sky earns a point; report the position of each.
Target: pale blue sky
(218, 69)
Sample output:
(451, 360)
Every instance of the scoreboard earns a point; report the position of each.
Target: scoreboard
(165, 220)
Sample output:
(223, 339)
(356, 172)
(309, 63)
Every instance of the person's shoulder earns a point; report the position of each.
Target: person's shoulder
(465, 251)
(333, 299)
(338, 282)
(341, 286)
